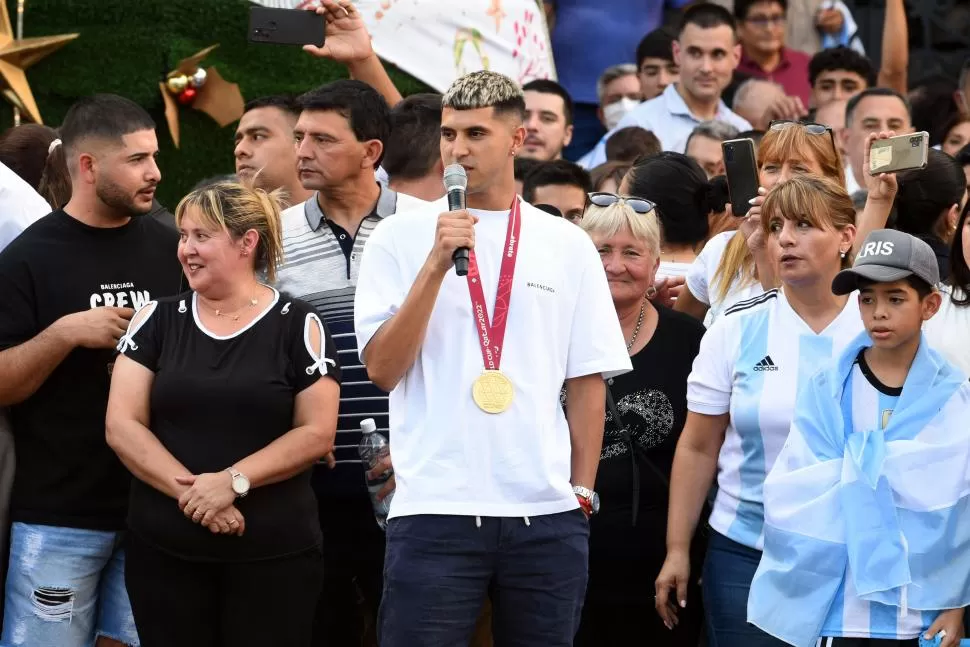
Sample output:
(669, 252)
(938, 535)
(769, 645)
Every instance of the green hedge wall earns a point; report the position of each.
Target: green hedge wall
(127, 46)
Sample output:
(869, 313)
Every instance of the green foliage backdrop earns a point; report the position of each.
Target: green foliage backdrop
(127, 46)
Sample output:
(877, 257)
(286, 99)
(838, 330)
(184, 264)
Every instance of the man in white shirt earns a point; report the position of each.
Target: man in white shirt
(707, 52)
(493, 479)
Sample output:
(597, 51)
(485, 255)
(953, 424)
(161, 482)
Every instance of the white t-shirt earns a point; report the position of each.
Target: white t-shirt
(20, 205)
(407, 203)
(850, 616)
(750, 364)
(672, 269)
(449, 456)
(949, 331)
(701, 283)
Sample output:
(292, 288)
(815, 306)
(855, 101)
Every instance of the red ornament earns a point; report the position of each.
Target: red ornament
(188, 96)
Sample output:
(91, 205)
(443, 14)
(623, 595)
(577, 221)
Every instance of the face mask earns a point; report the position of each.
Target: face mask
(617, 110)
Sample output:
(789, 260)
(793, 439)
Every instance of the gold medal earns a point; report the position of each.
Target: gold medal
(493, 392)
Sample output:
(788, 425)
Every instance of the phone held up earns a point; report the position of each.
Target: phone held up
(741, 168)
(286, 26)
(899, 153)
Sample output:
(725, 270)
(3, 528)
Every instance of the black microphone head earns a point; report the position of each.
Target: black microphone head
(455, 177)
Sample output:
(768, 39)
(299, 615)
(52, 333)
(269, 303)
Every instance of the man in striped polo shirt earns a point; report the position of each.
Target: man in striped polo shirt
(340, 139)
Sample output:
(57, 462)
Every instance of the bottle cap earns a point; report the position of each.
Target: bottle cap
(368, 426)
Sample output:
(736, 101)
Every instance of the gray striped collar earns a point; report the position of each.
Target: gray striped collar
(386, 205)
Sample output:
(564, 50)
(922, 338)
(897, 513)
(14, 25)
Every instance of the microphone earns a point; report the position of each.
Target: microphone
(456, 181)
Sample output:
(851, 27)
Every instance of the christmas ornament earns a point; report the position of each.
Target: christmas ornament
(176, 83)
(198, 79)
(201, 88)
(187, 96)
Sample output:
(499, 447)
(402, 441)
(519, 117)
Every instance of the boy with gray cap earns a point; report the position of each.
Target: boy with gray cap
(866, 540)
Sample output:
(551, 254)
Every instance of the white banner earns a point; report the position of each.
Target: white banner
(437, 41)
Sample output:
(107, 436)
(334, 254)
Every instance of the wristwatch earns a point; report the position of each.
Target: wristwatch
(589, 501)
(240, 484)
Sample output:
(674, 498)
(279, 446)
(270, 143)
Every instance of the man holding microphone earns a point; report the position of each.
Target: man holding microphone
(493, 480)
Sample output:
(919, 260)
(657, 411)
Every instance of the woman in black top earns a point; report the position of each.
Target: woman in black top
(222, 400)
(627, 543)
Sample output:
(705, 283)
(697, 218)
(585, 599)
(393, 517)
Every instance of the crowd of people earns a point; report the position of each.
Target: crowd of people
(639, 417)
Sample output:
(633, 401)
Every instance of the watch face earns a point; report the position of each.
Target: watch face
(595, 503)
(240, 484)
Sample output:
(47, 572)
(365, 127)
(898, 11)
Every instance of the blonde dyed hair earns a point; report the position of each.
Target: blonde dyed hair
(819, 201)
(236, 209)
(777, 146)
(609, 221)
(482, 89)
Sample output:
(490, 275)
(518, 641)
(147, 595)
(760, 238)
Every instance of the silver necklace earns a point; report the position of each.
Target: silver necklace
(636, 331)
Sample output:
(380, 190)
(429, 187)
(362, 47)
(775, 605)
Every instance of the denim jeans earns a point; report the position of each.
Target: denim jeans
(728, 571)
(438, 570)
(66, 587)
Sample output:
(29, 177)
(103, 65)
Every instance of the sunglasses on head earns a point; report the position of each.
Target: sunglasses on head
(810, 127)
(603, 199)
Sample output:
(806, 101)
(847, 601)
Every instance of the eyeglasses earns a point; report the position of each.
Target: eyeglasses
(603, 199)
(766, 21)
(810, 127)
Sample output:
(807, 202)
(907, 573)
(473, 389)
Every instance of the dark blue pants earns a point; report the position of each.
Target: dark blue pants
(438, 570)
(728, 571)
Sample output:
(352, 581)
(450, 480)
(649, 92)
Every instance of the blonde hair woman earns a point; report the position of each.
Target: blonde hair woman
(645, 414)
(741, 395)
(733, 266)
(221, 401)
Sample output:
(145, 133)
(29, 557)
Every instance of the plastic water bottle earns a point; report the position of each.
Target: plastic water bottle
(374, 447)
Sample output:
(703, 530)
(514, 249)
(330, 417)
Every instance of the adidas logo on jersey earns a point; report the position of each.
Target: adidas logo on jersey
(766, 364)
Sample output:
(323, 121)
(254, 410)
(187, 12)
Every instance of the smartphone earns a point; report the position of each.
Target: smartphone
(741, 168)
(899, 153)
(286, 26)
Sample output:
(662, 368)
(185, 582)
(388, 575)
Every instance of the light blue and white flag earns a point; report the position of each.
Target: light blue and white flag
(891, 504)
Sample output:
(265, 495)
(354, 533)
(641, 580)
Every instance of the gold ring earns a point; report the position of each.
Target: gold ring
(233, 522)
(346, 12)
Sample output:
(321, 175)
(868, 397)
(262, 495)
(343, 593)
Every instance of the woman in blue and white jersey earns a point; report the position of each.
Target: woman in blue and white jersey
(741, 396)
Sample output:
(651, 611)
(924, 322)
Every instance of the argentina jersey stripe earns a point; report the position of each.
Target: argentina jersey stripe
(746, 418)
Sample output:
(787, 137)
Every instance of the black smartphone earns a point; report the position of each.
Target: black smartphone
(286, 26)
(741, 168)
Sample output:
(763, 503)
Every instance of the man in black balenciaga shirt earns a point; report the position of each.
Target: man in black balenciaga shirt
(69, 284)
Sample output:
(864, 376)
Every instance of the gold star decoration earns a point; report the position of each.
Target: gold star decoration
(16, 56)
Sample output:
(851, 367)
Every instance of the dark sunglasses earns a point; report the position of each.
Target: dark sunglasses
(810, 127)
(603, 199)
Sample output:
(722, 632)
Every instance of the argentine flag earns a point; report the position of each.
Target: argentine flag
(892, 505)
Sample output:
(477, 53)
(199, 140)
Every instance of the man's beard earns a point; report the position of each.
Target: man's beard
(115, 197)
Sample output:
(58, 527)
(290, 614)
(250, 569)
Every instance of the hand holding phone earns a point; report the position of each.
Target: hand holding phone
(899, 153)
(741, 169)
(286, 26)
(881, 187)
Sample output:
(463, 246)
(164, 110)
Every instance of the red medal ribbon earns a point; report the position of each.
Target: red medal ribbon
(491, 334)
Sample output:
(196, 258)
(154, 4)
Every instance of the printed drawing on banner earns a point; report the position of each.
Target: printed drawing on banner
(530, 47)
(464, 37)
(384, 6)
(496, 12)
